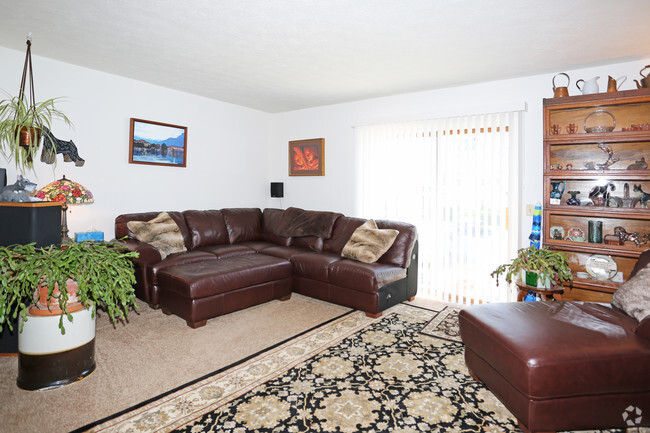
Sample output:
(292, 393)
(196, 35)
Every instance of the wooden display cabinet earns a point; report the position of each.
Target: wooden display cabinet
(597, 141)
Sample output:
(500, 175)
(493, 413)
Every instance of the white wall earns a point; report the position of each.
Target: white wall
(227, 161)
(234, 152)
(335, 191)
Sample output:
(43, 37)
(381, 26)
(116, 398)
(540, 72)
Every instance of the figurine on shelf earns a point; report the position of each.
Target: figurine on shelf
(643, 197)
(623, 236)
(638, 165)
(628, 201)
(573, 201)
(610, 160)
(601, 190)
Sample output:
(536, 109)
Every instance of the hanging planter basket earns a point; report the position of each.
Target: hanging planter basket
(22, 120)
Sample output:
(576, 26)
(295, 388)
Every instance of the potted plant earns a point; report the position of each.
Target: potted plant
(62, 284)
(21, 127)
(102, 271)
(540, 265)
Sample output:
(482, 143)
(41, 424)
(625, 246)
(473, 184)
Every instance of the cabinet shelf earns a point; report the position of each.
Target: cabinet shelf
(613, 174)
(600, 211)
(586, 247)
(601, 286)
(605, 137)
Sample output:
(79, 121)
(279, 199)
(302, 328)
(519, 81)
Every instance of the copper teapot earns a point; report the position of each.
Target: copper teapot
(645, 83)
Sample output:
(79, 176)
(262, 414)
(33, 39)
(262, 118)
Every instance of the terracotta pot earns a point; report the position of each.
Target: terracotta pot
(41, 308)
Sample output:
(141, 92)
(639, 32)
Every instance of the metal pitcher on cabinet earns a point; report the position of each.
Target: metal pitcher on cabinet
(589, 86)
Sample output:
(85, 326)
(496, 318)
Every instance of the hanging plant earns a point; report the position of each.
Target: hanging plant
(22, 120)
(21, 128)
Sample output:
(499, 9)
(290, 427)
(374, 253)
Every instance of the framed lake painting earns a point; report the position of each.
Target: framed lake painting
(306, 157)
(157, 143)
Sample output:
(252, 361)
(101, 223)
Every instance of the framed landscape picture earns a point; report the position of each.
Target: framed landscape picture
(157, 143)
(306, 157)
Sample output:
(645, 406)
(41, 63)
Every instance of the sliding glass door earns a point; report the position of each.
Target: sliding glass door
(456, 179)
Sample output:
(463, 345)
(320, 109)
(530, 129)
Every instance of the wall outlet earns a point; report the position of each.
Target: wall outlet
(530, 208)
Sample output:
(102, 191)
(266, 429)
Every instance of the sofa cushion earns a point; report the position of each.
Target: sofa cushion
(300, 222)
(368, 243)
(161, 232)
(228, 250)
(365, 277)
(314, 265)
(633, 297)
(270, 223)
(243, 224)
(313, 243)
(207, 227)
(343, 229)
(284, 252)
(643, 330)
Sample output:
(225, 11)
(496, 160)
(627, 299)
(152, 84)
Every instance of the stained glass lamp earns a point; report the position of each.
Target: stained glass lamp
(67, 192)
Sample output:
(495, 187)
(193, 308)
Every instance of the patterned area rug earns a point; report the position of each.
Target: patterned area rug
(352, 374)
(444, 324)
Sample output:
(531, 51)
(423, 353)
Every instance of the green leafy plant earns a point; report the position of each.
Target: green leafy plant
(547, 263)
(15, 115)
(103, 270)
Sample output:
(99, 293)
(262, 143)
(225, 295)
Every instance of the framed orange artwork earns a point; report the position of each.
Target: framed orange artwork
(306, 157)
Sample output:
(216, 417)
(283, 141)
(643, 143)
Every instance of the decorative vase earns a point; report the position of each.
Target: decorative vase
(556, 192)
(573, 201)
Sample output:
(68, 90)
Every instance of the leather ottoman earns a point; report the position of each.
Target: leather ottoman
(200, 291)
(559, 365)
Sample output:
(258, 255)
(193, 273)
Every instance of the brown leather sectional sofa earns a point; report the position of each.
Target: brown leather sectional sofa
(237, 258)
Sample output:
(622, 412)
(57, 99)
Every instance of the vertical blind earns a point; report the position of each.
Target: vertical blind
(455, 179)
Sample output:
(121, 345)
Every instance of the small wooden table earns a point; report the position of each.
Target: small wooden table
(555, 293)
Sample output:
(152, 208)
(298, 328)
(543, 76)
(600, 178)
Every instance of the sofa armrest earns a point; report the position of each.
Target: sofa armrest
(147, 254)
(643, 329)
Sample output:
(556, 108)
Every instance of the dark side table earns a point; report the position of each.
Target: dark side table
(555, 293)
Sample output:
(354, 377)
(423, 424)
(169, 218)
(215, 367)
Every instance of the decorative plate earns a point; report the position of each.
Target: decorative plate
(601, 267)
(575, 234)
(557, 232)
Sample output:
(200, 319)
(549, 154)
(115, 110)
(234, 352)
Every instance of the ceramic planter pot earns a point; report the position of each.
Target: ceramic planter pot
(41, 307)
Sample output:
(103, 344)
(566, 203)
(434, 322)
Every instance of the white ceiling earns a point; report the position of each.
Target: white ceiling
(281, 55)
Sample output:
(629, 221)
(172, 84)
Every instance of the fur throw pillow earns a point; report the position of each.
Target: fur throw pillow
(368, 243)
(161, 233)
(633, 297)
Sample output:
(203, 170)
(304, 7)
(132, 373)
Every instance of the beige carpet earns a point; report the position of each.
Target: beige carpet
(150, 355)
(351, 374)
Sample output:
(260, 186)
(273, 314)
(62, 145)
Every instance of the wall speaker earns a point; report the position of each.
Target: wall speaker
(277, 189)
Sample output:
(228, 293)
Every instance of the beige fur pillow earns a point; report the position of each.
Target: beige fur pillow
(368, 243)
(161, 233)
(633, 296)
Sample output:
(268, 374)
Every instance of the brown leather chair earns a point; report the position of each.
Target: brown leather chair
(562, 365)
